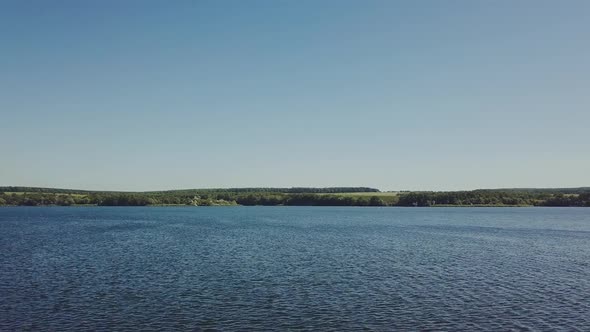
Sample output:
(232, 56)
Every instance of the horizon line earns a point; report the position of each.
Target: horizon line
(296, 187)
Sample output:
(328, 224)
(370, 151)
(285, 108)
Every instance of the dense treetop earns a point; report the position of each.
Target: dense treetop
(339, 196)
(190, 191)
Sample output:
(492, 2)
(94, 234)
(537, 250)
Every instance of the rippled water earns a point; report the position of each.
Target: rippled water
(279, 268)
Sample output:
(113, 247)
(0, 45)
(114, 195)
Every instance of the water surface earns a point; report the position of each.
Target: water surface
(298, 268)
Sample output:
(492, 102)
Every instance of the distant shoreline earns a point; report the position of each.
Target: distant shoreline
(335, 196)
(239, 205)
(287, 206)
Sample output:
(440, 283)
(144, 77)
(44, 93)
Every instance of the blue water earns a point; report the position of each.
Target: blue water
(298, 268)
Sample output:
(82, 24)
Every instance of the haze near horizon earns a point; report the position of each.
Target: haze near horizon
(395, 95)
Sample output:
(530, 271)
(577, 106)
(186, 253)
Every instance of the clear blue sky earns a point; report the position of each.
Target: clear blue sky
(441, 95)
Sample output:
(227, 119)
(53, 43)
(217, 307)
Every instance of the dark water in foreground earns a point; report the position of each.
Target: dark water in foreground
(278, 268)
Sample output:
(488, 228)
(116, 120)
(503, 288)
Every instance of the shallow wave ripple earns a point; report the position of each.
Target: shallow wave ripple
(289, 268)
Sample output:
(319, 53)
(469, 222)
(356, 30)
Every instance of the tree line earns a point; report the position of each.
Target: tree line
(292, 190)
(209, 197)
(494, 198)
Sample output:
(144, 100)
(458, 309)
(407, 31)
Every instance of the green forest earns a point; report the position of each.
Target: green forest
(338, 196)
